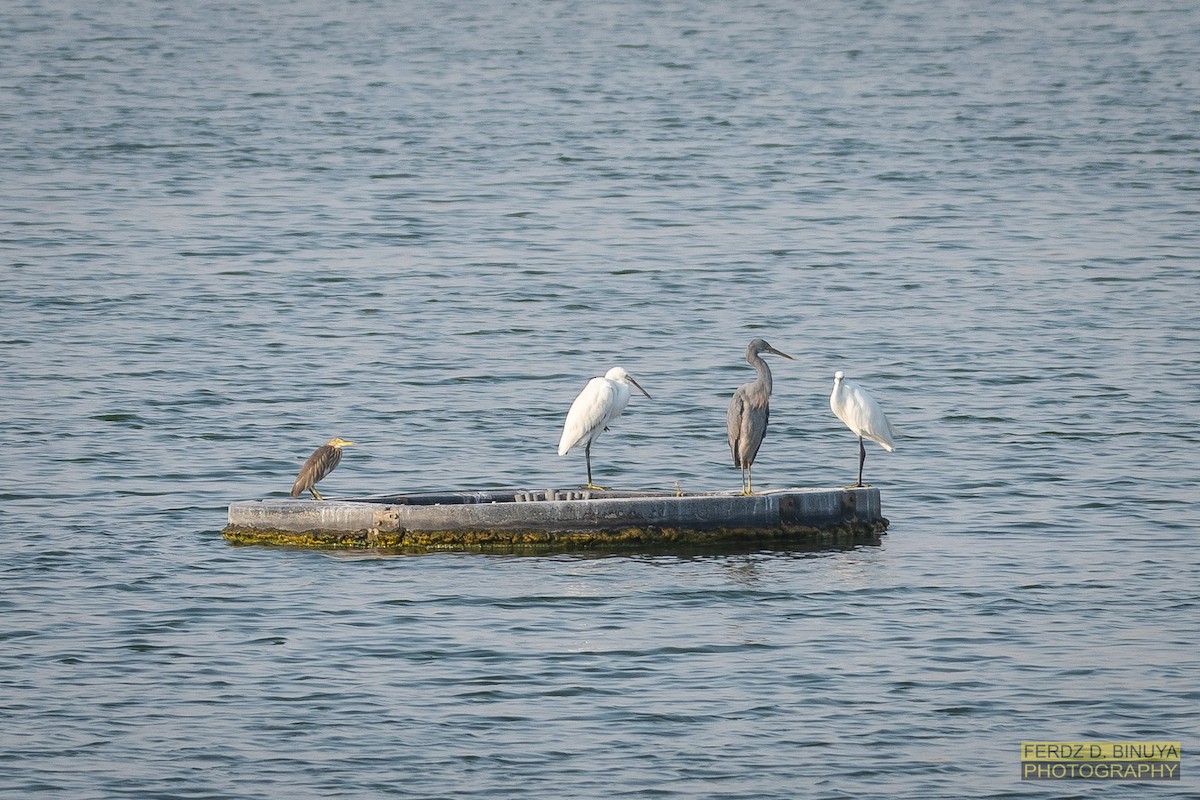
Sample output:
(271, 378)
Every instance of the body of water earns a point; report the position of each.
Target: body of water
(230, 231)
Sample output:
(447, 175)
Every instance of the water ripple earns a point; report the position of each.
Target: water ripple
(231, 236)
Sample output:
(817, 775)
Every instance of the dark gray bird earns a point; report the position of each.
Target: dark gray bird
(746, 419)
(319, 464)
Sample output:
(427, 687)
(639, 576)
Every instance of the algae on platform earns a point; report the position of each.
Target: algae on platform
(538, 541)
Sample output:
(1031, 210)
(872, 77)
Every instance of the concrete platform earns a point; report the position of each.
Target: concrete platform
(562, 520)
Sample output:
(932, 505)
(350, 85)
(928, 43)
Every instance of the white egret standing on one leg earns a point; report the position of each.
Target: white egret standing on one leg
(862, 415)
(746, 419)
(596, 407)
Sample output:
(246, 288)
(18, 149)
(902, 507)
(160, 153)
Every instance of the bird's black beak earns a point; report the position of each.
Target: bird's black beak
(639, 387)
(780, 353)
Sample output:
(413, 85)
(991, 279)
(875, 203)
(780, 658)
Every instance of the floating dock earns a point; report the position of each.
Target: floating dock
(565, 520)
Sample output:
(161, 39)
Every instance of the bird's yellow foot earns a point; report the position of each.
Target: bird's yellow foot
(594, 488)
(316, 495)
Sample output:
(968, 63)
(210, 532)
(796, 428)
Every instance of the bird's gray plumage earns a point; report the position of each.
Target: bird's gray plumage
(746, 422)
(749, 411)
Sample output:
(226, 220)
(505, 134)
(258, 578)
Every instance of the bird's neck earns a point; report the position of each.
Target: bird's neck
(764, 372)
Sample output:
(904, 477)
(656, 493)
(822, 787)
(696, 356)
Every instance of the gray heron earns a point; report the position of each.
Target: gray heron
(746, 419)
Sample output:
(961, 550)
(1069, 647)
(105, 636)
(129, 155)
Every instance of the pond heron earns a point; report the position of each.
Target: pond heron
(319, 464)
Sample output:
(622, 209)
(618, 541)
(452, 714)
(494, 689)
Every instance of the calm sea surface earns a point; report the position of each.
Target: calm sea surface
(232, 230)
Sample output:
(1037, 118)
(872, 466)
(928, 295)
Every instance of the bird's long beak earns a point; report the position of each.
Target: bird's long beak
(780, 353)
(639, 386)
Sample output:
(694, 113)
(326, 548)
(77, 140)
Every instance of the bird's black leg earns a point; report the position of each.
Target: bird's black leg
(862, 456)
(587, 456)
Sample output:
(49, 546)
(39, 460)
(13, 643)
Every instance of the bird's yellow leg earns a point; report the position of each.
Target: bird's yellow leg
(593, 487)
(316, 495)
(749, 482)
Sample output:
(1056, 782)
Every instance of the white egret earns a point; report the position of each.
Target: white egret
(746, 419)
(596, 407)
(319, 464)
(862, 415)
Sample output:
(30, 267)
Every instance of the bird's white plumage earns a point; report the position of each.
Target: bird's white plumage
(596, 407)
(854, 406)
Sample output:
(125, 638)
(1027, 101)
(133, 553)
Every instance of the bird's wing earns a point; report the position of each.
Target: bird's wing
(868, 418)
(589, 414)
(755, 426)
(746, 425)
(733, 423)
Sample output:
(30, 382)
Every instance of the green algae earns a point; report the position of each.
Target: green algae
(632, 539)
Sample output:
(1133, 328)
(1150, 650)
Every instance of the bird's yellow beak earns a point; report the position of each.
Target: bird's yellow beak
(340, 442)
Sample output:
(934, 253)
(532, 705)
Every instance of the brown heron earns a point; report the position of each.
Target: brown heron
(598, 405)
(746, 420)
(319, 464)
(862, 415)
